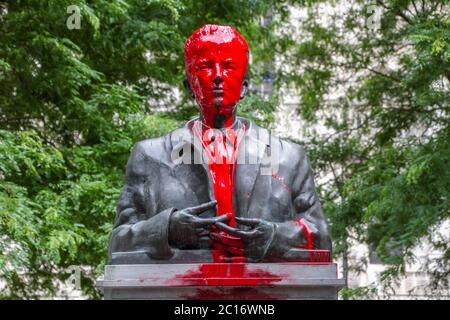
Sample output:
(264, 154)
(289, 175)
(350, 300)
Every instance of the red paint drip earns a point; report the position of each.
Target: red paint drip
(222, 166)
(222, 280)
(282, 180)
(308, 236)
(226, 274)
(216, 60)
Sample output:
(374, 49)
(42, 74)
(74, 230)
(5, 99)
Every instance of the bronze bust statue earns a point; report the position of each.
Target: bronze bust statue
(220, 188)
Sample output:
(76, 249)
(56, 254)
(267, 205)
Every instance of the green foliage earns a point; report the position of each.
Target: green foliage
(388, 150)
(263, 115)
(72, 104)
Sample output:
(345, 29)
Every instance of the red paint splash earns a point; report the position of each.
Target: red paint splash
(226, 274)
(227, 279)
(222, 166)
(301, 223)
(281, 179)
(216, 59)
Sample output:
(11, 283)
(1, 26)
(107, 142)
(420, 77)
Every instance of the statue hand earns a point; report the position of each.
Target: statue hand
(256, 239)
(188, 230)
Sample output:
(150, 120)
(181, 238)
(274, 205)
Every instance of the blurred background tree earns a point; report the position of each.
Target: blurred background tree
(376, 76)
(73, 103)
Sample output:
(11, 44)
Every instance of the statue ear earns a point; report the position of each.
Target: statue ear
(244, 88)
(188, 88)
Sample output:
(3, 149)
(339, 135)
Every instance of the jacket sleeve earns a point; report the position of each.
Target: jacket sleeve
(137, 226)
(308, 229)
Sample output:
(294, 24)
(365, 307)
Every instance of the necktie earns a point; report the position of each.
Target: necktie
(221, 156)
(221, 148)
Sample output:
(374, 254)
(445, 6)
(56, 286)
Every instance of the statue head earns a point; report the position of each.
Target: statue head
(216, 59)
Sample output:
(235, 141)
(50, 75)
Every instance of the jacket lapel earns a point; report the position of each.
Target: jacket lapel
(183, 139)
(251, 153)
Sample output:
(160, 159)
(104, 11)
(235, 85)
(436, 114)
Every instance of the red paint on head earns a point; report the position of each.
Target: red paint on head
(216, 59)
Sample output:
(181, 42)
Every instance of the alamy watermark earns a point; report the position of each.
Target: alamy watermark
(74, 280)
(373, 22)
(255, 147)
(74, 20)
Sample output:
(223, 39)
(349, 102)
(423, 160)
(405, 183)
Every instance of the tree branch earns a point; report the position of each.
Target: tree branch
(397, 12)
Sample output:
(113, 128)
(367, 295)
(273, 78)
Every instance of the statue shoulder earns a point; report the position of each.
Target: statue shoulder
(289, 150)
(156, 148)
(152, 147)
(294, 147)
(159, 148)
(293, 153)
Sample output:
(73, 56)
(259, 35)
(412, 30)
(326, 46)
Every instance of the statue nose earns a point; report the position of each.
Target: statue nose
(218, 75)
(218, 80)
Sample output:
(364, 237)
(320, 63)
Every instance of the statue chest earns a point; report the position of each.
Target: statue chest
(186, 185)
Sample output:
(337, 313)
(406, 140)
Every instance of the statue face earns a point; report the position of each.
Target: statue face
(216, 66)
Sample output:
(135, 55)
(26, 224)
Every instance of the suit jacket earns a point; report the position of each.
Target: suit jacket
(273, 181)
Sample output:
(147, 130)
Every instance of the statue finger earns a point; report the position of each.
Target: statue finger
(201, 208)
(226, 228)
(227, 240)
(230, 230)
(202, 232)
(248, 221)
(209, 221)
(250, 234)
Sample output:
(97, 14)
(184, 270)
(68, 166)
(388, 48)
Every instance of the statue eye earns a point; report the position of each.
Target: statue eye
(204, 65)
(230, 65)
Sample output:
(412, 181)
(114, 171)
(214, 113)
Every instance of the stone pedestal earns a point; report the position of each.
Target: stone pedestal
(230, 281)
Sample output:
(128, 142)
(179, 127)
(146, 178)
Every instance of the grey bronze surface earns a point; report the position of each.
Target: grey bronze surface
(166, 204)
